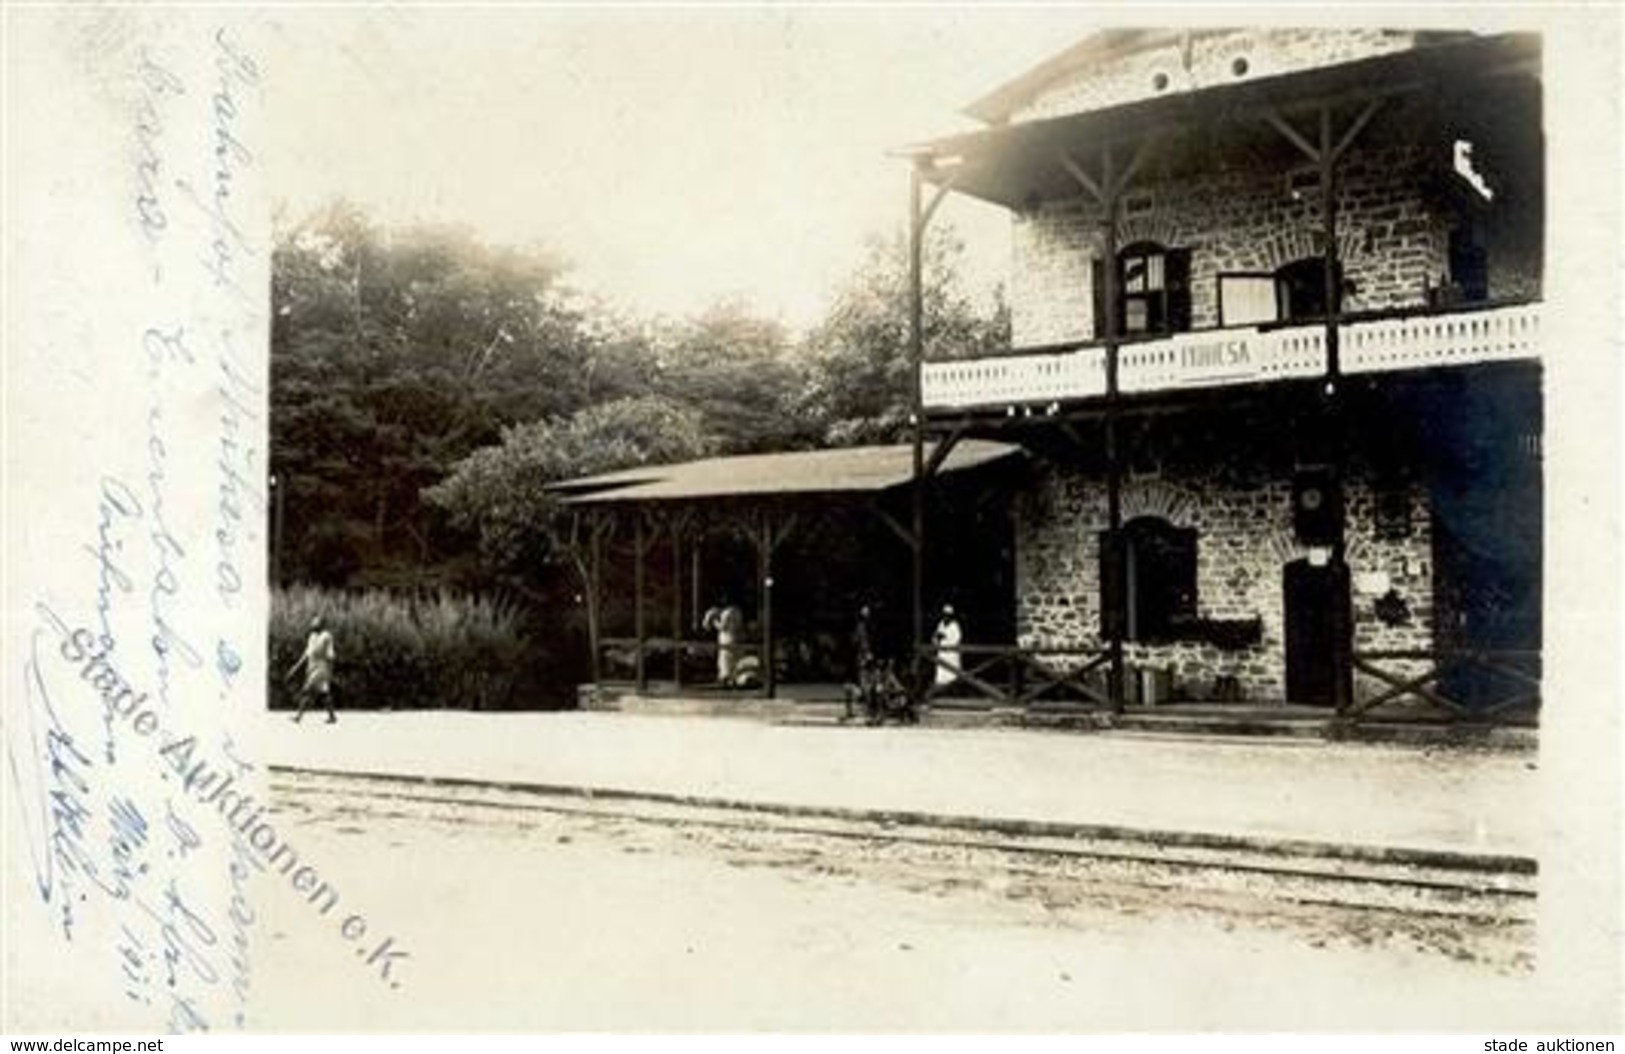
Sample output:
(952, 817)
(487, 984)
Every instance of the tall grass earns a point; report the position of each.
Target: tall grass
(403, 652)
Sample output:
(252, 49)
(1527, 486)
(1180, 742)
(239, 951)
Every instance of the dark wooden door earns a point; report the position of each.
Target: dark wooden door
(1317, 631)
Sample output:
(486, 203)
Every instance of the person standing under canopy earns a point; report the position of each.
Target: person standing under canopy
(725, 620)
(948, 637)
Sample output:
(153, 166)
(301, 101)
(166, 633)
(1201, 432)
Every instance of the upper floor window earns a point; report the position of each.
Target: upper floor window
(1296, 292)
(1300, 289)
(1247, 299)
(1153, 290)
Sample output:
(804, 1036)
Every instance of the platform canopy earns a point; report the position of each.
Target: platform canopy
(850, 470)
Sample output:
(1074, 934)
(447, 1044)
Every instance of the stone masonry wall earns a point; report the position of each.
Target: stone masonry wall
(1051, 288)
(1392, 244)
(1214, 59)
(1244, 541)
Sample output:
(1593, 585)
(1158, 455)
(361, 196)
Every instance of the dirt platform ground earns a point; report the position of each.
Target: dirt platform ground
(1454, 799)
(527, 919)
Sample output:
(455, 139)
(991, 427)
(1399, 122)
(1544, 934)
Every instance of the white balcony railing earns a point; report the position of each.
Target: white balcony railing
(1218, 357)
(1237, 356)
(1421, 341)
(1011, 379)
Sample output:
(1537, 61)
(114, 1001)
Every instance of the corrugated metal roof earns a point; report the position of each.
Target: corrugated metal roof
(848, 470)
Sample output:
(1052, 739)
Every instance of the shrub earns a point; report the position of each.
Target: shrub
(399, 651)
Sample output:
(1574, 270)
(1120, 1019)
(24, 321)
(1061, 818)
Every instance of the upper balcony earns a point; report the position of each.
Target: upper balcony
(1211, 229)
(1236, 356)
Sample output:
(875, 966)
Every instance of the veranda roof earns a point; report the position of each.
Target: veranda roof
(1015, 164)
(851, 470)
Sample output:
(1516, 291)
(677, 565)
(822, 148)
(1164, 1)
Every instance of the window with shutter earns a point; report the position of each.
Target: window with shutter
(1147, 580)
(1153, 291)
(1178, 272)
(1097, 274)
(1300, 289)
(1247, 299)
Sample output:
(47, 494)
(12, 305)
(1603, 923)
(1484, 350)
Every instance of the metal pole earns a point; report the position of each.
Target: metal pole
(916, 352)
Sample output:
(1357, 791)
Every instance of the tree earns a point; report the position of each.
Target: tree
(857, 366)
(499, 492)
(735, 369)
(393, 355)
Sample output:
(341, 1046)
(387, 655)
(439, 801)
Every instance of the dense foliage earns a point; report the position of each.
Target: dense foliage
(405, 652)
(497, 493)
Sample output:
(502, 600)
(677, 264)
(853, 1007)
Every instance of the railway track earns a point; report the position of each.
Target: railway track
(1050, 861)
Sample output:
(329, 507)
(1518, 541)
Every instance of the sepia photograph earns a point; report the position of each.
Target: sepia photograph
(811, 519)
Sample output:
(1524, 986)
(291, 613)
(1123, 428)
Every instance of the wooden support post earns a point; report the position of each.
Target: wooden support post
(676, 603)
(1333, 287)
(1116, 679)
(279, 490)
(696, 594)
(595, 575)
(766, 535)
(1325, 152)
(944, 447)
(919, 216)
(764, 555)
(916, 352)
(1107, 191)
(1342, 656)
(642, 676)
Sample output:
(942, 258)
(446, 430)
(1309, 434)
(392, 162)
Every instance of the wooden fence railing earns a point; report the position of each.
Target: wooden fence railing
(1468, 685)
(1006, 675)
(662, 656)
(1452, 685)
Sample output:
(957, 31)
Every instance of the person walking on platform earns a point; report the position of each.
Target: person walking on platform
(319, 656)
